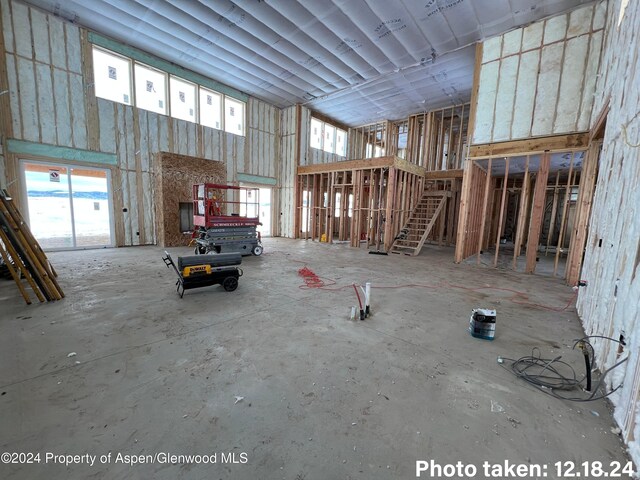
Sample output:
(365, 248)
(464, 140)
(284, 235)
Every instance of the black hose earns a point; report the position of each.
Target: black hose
(587, 364)
(543, 374)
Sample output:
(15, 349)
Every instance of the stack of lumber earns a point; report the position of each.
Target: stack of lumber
(23, 256)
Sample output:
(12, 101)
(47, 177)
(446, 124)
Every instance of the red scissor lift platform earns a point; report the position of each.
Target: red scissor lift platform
(225, 218)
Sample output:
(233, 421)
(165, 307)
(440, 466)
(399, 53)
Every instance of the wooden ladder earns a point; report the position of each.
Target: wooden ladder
(22, 255)
(421, 221)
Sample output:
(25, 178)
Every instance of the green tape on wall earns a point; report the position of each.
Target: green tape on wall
(255, 179)
(59, 153)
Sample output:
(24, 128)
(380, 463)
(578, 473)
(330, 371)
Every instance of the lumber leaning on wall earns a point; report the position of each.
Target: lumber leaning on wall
(24, 256)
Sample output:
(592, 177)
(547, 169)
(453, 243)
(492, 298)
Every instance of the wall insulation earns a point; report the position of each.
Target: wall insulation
(263, 139)
(609, 304)
(295, 151)
(287, 173)
(540, 80)
(51, 101)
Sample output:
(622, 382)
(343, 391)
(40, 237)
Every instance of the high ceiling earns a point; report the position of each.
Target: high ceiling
(356, 61)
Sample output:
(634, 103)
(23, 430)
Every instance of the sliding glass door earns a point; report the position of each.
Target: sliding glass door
(68, 206)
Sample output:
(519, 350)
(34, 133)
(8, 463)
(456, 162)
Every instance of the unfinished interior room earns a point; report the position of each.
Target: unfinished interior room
(325, 239)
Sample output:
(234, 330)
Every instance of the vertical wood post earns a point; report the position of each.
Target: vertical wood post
(487, 184)
(502, 203)
(535, 226)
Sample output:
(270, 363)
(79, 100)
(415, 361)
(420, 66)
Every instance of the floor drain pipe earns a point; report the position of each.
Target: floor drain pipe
(359, 302)
(367, 298)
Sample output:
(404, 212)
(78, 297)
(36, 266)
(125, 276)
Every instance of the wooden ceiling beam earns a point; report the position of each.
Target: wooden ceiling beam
(380, 162)
(531, 146)
(348, 165)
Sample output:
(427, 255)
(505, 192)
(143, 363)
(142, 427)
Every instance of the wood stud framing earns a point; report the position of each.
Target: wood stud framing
(369, 199)
(434, 140)
(523, 212)
(583, 212)
(528, 205)
(549, 201)
(537, 211)
(502, 203)
(362, 206)
(376, 195)
(563, 221)
(483, 217)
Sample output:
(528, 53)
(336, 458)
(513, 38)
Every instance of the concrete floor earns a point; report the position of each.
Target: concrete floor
(324, 397)
(545, 264)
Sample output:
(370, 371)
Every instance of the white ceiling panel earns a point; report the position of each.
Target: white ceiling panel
(357, 61)
(560, 162)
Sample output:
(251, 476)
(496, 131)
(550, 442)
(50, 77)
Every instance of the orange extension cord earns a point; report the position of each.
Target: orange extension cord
(311, 280)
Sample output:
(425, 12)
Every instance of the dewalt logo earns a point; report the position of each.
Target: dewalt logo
(196, 269)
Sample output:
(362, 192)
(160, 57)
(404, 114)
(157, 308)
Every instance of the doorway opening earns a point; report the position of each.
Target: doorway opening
(68, 207)
(264, 207)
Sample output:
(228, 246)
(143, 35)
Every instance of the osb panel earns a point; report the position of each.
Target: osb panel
(175, 178)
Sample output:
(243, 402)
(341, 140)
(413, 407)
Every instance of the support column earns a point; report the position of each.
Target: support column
(537, 212)
(388, 225)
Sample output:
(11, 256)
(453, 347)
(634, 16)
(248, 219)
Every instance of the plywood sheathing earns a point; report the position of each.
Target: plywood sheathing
(175, 177)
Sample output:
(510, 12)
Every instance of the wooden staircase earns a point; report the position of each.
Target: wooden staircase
(414, 233)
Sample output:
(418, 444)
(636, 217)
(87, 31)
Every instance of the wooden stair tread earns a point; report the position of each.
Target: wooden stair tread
(421, 221)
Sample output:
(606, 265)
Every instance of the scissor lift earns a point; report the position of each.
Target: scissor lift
(225, 218)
